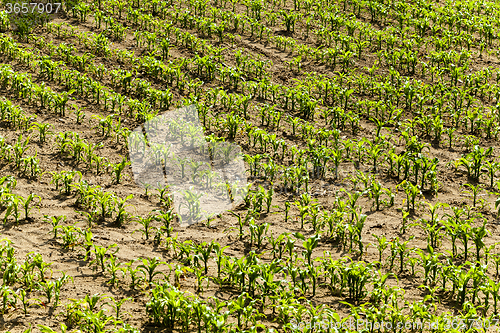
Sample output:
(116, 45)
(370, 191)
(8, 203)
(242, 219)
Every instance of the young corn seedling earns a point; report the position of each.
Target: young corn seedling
(149, 266)
(146, 224)
(87, 242)
(412, 193)
(21, 295)
(118, 169)
(241, 224)
(105, 201)
(67, 178)
(70, 236)
(100, 163)
(165, 198)
(11, 273)
(474, 190)
(257, 232)
(433, 231)
(31, 166)
(219, 251)
(7, 300)
(200, 277)
(121, 214)
(100, 253)
(91, 217)
(136, 279)
(19, 149)
(26, 202)
(258, 199)
(203, 252)
(43, 130)
(167, 217)
(42, 266)
(430, 264)
(192, 204)
(404, 252)
(12, 203)
(165, 299)
(357, 275)
(381, 246)
(80, 115)
(473, 161)
(287, 209)
(376, 190)
(357, 229)
(113, 268)
(478, 234)
(93, 300)
(492, 168)
(309, 245)
(404, 221)
(464, 234)
(117, 305)
(48, 288)
(28, 276)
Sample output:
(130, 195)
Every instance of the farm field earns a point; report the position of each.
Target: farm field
(369, 133)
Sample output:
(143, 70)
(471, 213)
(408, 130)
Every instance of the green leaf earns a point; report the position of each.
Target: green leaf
(299, 236)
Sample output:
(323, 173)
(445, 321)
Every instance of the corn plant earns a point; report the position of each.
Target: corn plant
(113, 268)
(105, 202)
(12, 203)
(474, 190)
(121, 214)
(381, 246)
(7, 300)
(48, 288)
(164, 196)
(118, 169)
(22, 296)
(163, 305)
(412, 193)
(26, 202)
(31, 166)
(478, 234)
(473, 161)
(430, 264)
(203, 252)
(19, 149)
(357, 275)
(100, 253)
(10, 275)
(376, 190)
(67, 178)
(70, 235)
(43, 130)
(117, 305)
(37, 262)
(464, 235)
(133, 272)
(146, 224)
(257, 232)
(149, 266)
(87, 242)
(80, 115)
(309, 245)
(192, 204)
